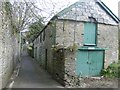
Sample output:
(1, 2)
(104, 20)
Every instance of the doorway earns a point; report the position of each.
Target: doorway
(89, 62)
(46, 58)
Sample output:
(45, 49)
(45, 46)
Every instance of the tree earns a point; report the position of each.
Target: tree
(30, 15)
(24, 14)
(34, 30)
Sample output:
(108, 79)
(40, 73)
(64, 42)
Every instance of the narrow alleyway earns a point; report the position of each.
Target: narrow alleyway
(32, 76)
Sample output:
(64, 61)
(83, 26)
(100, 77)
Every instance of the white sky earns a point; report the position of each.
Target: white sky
(113, 5)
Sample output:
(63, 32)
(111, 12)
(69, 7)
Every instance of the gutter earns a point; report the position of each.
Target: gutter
(108, 11)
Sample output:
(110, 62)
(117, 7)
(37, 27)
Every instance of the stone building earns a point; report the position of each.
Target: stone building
(80, 40)
(119, 9)
(8, 45)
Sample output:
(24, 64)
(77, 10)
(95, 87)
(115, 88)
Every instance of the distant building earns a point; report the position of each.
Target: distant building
(80, 40)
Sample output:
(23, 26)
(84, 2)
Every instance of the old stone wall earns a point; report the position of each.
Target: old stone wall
(43, 51)
(72, 37)
(8, 46)
(62, 42)
(108, 39)
(69, 35)
(61, 49)
(59, 65)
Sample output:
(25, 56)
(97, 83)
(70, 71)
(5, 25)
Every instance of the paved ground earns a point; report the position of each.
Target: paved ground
(32, 76)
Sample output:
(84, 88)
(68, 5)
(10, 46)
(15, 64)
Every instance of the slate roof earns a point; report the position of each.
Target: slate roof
(83, 9)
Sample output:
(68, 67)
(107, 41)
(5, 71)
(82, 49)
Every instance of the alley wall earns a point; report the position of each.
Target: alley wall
(8, 46)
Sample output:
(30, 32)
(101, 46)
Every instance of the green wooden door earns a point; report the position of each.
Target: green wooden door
(89, 63)
(82, 68)
(96, 62)
(90, 34)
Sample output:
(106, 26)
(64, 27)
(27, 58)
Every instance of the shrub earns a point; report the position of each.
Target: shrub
(113, 71)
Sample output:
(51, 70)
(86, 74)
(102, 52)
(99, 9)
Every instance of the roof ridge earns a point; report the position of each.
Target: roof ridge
(109, 11)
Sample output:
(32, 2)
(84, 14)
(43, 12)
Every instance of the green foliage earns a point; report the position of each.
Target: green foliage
(113, 71)
(30, 47)
(34, 30)
(30, 50)
(8, 8)
(74, 47)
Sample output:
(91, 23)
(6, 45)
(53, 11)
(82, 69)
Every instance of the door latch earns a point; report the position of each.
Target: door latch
(88, 62)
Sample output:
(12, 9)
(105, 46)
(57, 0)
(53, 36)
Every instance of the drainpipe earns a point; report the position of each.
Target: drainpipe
(20, 46)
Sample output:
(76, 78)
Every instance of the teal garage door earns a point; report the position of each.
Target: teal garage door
(89, 63)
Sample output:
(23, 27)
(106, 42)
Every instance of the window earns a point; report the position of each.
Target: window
(90, 34)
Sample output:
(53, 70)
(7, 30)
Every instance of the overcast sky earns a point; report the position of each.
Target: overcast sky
(113, 5)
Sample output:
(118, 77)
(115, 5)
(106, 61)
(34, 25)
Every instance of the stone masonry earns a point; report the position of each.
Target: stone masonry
(67, 37)
(8, 47)
(111, 50)
(43, 51)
